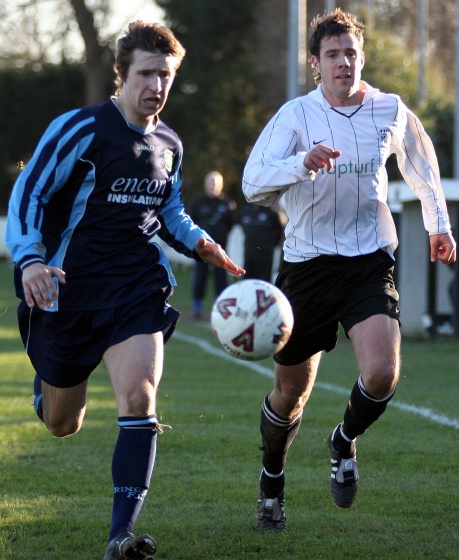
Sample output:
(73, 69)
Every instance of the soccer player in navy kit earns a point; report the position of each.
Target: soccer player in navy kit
(93, 284)
(326, 153)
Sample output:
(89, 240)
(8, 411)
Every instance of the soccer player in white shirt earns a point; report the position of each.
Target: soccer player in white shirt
(326, 153)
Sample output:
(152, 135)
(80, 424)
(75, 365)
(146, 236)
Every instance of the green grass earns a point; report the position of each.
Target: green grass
(56, 494)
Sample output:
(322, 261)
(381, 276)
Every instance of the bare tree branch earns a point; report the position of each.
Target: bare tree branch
(99, 57)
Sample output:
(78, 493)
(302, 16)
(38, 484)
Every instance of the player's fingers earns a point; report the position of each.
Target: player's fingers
(41, 295)
(330, 156)
(59, 274)
(28, 297)
(226, 263)
(451, 253)
(321, 157)
(447, 255)
(233, 268)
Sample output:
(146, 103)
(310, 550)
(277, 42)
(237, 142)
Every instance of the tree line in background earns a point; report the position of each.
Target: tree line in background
(232, 79)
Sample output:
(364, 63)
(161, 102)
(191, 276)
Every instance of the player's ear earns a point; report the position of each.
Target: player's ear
(119, 73)
(363, 60)
(315, 63)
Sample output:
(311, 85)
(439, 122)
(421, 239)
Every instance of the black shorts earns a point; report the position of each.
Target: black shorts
(66, 346)
(326, 291)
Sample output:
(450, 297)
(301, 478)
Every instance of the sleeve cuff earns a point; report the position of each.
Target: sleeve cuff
(29, 261)
(302, 170)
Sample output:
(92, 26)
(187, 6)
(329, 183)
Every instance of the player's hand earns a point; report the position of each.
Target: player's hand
(212, 253)
(319, 157)
(442, 247)
(38, 284)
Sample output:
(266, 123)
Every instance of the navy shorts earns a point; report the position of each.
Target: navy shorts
(329, 290)
(66, 346)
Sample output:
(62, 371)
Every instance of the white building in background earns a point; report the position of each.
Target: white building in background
(425, 288)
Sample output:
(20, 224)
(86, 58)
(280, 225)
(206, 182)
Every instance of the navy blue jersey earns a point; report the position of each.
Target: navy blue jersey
(90, 201)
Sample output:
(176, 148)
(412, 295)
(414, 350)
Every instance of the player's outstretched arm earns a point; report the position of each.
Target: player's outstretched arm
(38, 284)
(212, 253)
(442, 247)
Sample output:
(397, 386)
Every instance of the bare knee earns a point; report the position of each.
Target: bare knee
(138, 402)
(293, 386)
(380, 381)
(286, 402)
(63, 427)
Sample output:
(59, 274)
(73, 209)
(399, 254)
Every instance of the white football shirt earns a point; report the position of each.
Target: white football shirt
(343, 211)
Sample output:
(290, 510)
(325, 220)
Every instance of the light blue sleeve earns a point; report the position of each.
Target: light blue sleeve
(46, 173)
(178, 229)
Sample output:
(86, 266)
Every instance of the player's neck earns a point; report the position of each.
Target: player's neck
(132, 117)
(352, 100)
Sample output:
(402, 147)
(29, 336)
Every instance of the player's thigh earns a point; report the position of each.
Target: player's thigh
(376, 343)
(135, 367)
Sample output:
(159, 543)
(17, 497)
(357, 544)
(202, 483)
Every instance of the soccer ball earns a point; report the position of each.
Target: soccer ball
(252, 319)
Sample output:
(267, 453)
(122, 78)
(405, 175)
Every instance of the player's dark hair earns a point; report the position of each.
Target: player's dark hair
(332, 24)
(150, 37)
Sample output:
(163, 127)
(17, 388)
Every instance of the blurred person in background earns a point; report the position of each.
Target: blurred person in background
(215, 212)
(263, 232)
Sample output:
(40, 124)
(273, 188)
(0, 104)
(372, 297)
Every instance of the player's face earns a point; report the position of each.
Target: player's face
(340, 65)
(147, 84)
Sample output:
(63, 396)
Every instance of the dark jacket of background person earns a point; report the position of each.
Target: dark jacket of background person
(216, 212)
(263, 231)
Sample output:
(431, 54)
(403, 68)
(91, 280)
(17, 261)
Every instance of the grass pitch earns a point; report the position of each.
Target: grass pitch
(56, 493)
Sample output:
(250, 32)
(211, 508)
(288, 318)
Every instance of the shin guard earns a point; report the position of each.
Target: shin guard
(277, 435)
(363, 410)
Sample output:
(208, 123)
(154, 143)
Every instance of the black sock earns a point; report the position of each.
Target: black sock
(271, 485)
(277, 435)
(341, 442)
(363, 410)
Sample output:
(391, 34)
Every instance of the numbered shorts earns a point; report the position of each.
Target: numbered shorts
(329, 290)
(66, 346)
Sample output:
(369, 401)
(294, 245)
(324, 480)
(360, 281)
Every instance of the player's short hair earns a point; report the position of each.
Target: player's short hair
(146, 36)
(332, 24)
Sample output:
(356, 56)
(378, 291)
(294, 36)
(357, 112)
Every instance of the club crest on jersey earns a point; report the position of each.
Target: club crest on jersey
(264, 301)
(384, 136)
(168, 160)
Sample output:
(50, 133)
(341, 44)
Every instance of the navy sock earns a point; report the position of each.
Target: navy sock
(132, 466)
(37, 391)
(37, 385)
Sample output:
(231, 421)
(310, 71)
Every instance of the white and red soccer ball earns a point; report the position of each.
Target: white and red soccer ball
(252, 319)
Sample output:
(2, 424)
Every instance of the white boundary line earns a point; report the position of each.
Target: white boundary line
(427, 413)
